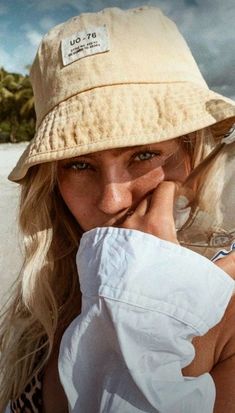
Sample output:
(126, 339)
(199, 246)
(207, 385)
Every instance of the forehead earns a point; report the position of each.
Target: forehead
(116, 152)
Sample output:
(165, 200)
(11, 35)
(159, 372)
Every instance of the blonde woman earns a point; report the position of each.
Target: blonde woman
(118, 306)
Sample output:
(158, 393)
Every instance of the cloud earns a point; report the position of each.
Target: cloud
(4, 28)
(3, 9)
(47, 23)
(45, 5)
(34, 37)
(211, 36)
(6, 60)
(13, 61)
(85, 5)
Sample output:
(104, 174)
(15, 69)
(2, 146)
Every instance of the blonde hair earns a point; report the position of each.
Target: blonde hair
(210, 181)
(46, 294)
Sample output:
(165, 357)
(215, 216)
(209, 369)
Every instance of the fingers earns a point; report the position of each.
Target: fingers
(154, 214)
(143, 206)
(161, 210)
(162, 200)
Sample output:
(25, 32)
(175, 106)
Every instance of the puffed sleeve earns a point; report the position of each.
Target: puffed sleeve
(143, 300)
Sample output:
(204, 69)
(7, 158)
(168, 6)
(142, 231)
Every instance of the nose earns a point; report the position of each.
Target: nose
(114, 197)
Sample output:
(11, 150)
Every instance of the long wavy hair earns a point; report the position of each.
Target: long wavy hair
(46, 295)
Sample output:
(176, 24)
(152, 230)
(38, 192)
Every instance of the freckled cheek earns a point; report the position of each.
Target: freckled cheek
(149, 181)
(77, 198)
(177, 170)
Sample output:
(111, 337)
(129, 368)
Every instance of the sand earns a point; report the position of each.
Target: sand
(11, 256)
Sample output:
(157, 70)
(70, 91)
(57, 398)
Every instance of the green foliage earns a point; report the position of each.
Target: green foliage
(17, 114)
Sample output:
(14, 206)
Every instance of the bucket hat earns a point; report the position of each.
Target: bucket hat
(112, 79)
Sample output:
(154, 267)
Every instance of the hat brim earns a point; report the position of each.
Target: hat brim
(122, 115)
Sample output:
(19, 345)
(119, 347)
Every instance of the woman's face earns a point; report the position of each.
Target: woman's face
(100, 188)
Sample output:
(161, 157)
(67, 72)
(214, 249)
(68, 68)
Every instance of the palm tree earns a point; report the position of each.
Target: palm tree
(25, 97)
(17, 115)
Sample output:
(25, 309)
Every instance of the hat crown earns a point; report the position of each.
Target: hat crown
(138, 45)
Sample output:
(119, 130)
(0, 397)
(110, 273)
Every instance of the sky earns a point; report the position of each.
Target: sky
(207, 25)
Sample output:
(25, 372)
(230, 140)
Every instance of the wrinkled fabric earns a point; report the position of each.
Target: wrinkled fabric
(143, 300)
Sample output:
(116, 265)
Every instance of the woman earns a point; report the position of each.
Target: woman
(120, 125)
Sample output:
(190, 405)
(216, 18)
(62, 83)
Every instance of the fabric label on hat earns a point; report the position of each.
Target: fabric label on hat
(86, 43)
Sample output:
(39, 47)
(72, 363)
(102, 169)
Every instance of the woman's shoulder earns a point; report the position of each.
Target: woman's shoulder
(216, 345)
(54, 398)
(222, 336)
(225, 346)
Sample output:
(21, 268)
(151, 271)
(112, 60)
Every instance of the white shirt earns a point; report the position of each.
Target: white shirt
(143, 300)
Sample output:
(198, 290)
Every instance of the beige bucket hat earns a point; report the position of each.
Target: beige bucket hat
(112, 79)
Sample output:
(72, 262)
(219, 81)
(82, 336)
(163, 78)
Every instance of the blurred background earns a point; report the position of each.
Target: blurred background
(207, 25)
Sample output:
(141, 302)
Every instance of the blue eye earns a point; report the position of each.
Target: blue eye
(77, 166)
(145, 156)
(80, 165)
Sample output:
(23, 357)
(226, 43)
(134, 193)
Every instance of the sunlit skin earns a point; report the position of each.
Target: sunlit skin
(100, 188)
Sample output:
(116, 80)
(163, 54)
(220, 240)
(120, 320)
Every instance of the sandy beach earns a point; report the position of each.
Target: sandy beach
(10, 257)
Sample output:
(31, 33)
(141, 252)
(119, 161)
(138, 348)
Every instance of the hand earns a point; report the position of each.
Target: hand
(154, 214)
(227, 264)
